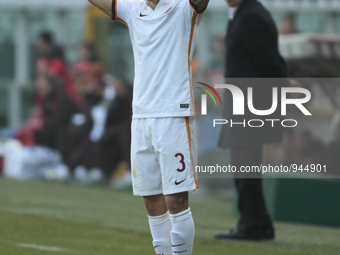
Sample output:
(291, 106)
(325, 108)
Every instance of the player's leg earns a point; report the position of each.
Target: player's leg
(147, 182)
(160, 224)
(183, 228)
(178, 202)
(175, 143)
(155, 205)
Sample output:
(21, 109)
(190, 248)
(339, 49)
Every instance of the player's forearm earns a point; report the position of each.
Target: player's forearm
(199, 5)
(104, 5)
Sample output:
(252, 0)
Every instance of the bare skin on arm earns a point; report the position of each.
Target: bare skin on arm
(199, 5)
(104, 5)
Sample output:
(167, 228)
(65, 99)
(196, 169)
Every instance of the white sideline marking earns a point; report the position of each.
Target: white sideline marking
(40, 247)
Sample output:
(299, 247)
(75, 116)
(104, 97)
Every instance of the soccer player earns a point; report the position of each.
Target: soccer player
(163, 151)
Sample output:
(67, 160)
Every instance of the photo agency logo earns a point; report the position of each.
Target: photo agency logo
(238, 105)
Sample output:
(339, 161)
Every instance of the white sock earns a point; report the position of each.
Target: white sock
(182, 233)
(160, 227)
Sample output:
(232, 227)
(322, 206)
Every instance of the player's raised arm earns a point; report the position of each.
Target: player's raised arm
(199, 5)
(104, 5)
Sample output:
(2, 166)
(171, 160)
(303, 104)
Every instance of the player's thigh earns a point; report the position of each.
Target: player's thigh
(145, 168)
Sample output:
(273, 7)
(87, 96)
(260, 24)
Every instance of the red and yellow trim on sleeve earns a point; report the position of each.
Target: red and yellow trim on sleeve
(114, 12)
(193, 23)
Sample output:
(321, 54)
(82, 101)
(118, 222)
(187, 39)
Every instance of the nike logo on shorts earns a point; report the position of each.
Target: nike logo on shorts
(178, 183)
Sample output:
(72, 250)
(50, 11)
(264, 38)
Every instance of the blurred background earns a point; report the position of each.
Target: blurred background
(66, 75)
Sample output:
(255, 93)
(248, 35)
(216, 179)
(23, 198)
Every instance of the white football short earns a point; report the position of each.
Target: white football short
(163, 155)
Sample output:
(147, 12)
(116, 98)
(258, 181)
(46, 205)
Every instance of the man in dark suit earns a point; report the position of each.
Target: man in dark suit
(251, 52)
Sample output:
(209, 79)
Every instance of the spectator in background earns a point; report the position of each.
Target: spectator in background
(87, 52)
(86, 153)
(45, 136)
(57, 110)
(86, 118)
(86, 55)
(46, 48)
(103, 127)
(51, 62)
(118, 123)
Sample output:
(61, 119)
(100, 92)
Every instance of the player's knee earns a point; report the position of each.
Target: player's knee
(177, 202)
(155, 205)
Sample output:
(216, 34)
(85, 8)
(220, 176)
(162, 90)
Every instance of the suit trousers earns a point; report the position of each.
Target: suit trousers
(251, 203)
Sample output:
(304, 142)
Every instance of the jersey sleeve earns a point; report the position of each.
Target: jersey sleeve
(121, 10)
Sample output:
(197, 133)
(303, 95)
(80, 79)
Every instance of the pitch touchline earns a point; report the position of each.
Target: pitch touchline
(44, 248)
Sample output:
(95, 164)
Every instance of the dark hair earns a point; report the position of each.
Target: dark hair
(46, 37)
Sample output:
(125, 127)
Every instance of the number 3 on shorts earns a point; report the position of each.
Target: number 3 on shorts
(181, 161)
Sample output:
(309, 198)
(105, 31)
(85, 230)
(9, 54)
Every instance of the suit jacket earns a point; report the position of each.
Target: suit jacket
(252, 52)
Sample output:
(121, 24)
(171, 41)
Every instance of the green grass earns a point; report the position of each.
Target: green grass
(98, 221)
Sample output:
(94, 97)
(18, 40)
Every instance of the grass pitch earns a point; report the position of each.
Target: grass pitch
(43, 218)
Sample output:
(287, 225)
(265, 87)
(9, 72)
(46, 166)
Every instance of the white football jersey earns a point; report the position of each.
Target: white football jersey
(163, 44)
